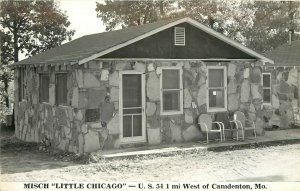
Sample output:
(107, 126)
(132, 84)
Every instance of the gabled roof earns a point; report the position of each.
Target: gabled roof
(286, 55)
(89, 47)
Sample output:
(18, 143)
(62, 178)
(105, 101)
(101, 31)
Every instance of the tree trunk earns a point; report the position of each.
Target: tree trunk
(211, 21)
(6, 99)
(291, 14)
(138, 21)
(161, 8)
(16, 59)
(16, 47)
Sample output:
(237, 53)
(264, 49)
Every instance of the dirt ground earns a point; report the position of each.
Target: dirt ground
(276, 163)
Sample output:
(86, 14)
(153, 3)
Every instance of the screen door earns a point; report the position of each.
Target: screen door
(133, 129)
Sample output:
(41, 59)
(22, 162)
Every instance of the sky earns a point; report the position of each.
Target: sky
(83, 17)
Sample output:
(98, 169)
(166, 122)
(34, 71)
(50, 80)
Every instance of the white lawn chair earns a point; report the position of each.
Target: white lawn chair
(206, 125)
(244, 124)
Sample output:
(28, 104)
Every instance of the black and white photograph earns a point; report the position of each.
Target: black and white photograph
(149, 95)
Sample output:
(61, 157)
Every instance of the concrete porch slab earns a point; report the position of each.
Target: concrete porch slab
(289, 136)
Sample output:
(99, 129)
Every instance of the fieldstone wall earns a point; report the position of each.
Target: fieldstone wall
(91, 120)
(47, 122)
(245, 92)
(285, 97)
(87, 123)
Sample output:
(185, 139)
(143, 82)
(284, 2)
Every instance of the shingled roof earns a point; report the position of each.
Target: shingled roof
(92, 46)
(286, 55)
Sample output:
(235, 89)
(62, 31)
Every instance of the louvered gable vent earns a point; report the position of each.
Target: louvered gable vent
(179, 36)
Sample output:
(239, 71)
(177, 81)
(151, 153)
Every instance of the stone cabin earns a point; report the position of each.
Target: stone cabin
(282, 86)
(143, 85)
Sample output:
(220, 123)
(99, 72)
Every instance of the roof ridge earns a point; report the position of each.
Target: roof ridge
(138, 26)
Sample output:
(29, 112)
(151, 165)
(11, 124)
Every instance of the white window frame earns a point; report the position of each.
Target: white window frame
(216, 109)
(268, 88)
(180, 91)
(175, 35)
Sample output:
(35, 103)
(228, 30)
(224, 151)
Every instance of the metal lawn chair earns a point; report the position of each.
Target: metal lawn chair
(206, 125)
(244, 124)
(230, 126)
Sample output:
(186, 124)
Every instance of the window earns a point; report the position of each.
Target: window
(266, 83)
(21, 83)
(61, 90)
(179, 36)
(44, 88)
(216, 83)
(171, 90)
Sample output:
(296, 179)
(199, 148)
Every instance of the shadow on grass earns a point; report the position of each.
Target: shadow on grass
(18, 156)
(6, 131)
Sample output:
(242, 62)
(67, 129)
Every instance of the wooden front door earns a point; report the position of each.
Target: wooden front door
(132, 107)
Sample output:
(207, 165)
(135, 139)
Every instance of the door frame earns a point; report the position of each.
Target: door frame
(139, 139)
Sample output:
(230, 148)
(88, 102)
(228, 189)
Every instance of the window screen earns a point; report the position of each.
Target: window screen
(171, 90)
(216, 78)
(44, 88)
(216, 88)
(132, 93)
(61, 89)
(171, 79)
(132, 105)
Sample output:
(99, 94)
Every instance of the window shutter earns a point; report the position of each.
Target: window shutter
(266, 84)
(44, 88)
(61, 89)
(179, 36)
(21, 82)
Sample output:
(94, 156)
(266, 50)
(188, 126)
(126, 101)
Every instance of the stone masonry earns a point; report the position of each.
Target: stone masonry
(285, 97)
(93, 89)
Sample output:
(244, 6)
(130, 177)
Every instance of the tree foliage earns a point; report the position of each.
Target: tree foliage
(132, 13)
(31, 27)
(28, 27)
(227, 17)
(272, 22)
(261, 25)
